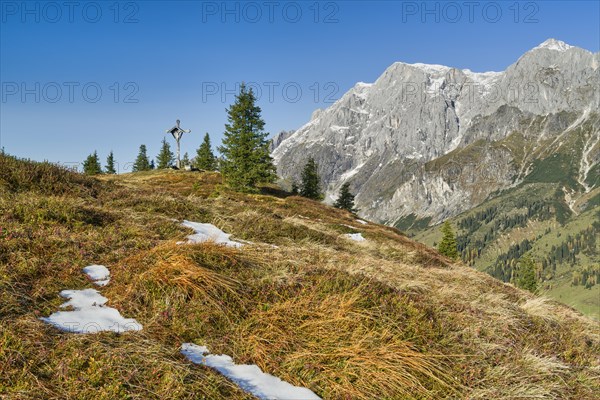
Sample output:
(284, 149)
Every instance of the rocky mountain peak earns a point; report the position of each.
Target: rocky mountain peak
(396, 140)
(553, 44)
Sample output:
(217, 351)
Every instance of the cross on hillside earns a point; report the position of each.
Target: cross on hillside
(177, 133)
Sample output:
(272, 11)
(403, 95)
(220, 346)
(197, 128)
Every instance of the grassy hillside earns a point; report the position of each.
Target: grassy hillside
(533, 219)
(387, 318)
(552, 213)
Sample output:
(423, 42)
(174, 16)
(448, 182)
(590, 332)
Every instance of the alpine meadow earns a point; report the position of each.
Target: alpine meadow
(300, 200)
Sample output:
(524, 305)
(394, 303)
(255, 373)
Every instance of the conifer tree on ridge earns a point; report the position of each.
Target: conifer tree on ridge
(345, 199)
(246, 160)
(141, 162)
(448, 246)
(311, 182)
(91, 165)
(165, 157)
(110, 164)
(205, 159)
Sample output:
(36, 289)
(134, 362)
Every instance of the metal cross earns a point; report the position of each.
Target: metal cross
(177, 133)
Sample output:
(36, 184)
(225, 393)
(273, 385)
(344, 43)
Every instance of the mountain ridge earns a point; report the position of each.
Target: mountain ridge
(452, 118)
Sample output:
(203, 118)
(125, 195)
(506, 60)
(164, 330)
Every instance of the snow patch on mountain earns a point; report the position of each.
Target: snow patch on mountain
(433, 69)
(553, 44)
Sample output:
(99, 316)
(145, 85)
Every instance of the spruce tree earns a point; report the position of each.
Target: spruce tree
(345, 200)
(205, 159)
(91, 165)
(311, 181)
(246, 161)
(525, 274)
(185, 161)
(141, 162)
(165, 156)
(110, 164)
(447, 246)
(295, 188)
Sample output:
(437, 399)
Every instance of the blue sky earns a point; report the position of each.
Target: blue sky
(104, 75)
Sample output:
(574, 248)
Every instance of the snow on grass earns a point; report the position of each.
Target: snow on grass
(360, 221)
(357, 237)
(99, 274)
(250, 378)
(89, 314)
(85, 298)
(208, 232)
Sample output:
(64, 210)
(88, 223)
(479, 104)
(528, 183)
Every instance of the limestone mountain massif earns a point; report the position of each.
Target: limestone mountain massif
(429, 142)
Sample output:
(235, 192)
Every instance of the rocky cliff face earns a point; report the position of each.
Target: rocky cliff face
(277, 139)
(433, 141)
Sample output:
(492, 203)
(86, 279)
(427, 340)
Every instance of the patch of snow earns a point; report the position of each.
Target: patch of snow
(89, 315)
(249, 378)
(361, 90)
(482, 82)
(357, 237)
(208, 232)
(414, 155)
(430, 68)
(337, 128)
(360, 221)
(82, 298)
(99, 274)
(553, 44)
(483, 78)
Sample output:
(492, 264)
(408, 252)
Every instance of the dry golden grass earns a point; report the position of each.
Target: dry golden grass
(386, 319)
(347, 351)
(540, 307)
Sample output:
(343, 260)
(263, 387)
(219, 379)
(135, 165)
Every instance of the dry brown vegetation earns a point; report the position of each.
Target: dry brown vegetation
(383, 319)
